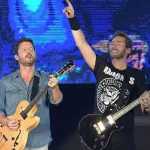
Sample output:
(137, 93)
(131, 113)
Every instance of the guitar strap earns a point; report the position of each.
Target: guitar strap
(34, 87)
(123, 88)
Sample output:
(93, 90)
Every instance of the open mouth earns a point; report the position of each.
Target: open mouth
(29, 56)
(114, 51)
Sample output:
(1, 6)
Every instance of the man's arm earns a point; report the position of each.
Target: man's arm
(145, 102)
(12, 124)
(142, 92)
(3, 120)
(79, 38)
(2, 104)
(56, 94)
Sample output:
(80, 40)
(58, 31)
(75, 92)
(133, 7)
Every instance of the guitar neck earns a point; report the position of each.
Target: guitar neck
(65, 69)
(36, 99)
(126, 109)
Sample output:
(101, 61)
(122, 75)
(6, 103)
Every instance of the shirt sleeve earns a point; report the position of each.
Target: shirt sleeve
(2, 99)
(50, 99)
(58, 102)
(100, 61)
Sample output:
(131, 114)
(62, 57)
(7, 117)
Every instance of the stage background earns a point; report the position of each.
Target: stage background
(44, 22)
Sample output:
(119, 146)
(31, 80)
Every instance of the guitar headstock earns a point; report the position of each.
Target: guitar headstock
(69, 66)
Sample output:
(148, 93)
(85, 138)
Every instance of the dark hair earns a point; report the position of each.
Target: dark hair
(127, 39)
(24, 39)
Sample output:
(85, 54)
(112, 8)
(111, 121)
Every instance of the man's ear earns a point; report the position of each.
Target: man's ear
(128, 51)
(16, 57)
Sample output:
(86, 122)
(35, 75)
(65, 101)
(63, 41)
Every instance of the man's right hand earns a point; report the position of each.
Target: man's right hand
(12, 124)
(79, 38)
(69, 11)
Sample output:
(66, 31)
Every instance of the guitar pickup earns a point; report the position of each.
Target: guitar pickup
(24, 115)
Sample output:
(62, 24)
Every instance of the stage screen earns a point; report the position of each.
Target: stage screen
(44, 22)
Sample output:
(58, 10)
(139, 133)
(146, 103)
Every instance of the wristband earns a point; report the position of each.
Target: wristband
(74, 23)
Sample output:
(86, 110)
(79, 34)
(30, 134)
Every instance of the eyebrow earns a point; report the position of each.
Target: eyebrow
(25, 47)
(117, 41)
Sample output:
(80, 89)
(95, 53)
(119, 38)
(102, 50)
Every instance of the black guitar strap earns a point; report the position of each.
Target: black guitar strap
(123, 88)
(34, 87)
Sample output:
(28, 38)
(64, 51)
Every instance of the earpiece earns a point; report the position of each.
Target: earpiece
(16, 57)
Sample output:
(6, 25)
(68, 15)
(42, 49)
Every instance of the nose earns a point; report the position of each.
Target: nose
(112, 45)
(29, 50)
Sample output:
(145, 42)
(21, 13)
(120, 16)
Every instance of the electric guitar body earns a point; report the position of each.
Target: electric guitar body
(89, 134)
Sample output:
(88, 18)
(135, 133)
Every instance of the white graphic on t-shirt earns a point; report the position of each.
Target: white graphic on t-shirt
(115, 75)
(131, 80)
(108, 93)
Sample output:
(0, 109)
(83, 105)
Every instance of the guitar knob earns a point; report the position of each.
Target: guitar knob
(94, 146)
(102, 143)
(96, 139)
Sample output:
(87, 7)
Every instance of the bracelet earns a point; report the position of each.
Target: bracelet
(74, 23)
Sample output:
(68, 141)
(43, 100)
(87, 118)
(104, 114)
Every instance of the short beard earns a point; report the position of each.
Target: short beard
(29, 63)
(119, 56)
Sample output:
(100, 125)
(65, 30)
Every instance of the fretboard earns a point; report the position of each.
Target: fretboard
(126, 109)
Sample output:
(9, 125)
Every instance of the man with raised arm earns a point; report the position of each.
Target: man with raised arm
(111, 78)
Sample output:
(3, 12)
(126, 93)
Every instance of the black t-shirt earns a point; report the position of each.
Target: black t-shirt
(109, 81)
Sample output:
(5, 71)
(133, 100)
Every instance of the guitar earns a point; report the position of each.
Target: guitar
(96, 130)
(16, 140)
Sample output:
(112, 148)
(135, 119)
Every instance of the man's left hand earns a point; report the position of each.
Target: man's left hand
(145, 102)
(53, 82)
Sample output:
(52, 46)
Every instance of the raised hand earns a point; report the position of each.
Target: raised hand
(69, 11)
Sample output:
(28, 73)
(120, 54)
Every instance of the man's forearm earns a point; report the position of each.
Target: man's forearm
(79, 37)
(77, 32)
(56, 94)
(81, 43)
(3, 120)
